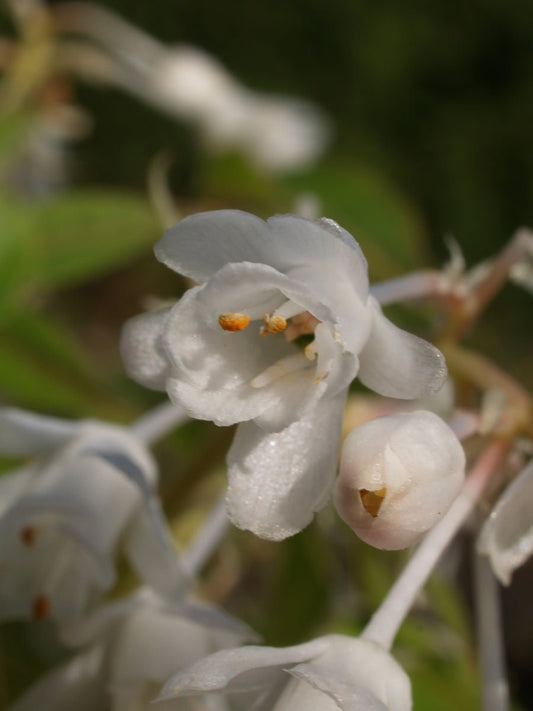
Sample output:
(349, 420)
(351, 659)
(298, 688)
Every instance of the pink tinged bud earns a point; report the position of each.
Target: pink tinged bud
(399, 474)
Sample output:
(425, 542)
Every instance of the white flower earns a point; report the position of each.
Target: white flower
(277, 132)
(134, 645)
(63, 516)
(226, 352)
(399, 474)
(329, 673)
(507, 535)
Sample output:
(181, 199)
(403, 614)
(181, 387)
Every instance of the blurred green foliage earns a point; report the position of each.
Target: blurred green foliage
(432, 105)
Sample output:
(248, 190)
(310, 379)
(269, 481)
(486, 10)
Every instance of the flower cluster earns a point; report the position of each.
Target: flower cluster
(88, 491)
(229, 351)
(280, 323)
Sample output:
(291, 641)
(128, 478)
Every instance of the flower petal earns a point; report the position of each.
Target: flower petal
(23, 433)
(142, 350)
(78, 684)
(237, 670)
(395, 363)
(358, 674)
(507, 535)
(150, 550)
(201, 244)
(278, 481)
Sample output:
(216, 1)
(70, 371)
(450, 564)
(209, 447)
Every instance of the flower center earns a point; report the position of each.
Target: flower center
(288, 318)
(301, 322)
(372, 500)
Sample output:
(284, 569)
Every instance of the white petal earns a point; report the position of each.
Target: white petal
(24, 432)
(150, 550)
(78, 684)
(14, 484)
(153, 644)
(395, 363)
(103, 620)
(237, 670)
(142, 351)
(278, 481)
(201, 244)
(419, 463)
(358, 674)
(507, 535)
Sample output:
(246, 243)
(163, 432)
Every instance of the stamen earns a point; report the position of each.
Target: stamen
(311, 350)
(27, 535)
(301, 325)
(41, 607)
(233, 322)
(372, 500)
(273, 324)
(284, 366)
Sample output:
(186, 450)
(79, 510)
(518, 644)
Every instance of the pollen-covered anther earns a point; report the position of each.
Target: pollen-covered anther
(27, 535)
(273, 324)
(372, 500)
(41, 607)
(233, 322)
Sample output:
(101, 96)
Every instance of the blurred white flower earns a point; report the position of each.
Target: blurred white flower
(507, 535)
(278, 133)
(399, 474)
(226, 352)
(64, 515)
(134, 646)
(329, 673)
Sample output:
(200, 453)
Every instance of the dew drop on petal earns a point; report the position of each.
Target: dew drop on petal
(372, 500)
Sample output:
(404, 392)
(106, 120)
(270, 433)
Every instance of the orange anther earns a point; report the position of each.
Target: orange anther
(233, 322)
(27, 535)
(372, 500)
(41, 607)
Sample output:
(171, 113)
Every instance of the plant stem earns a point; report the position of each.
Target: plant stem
(386, 621)
(494, 687)
(417, 285)
(158, 422)
(208, 539)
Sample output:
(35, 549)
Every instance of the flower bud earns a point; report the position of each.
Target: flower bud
(398, 475)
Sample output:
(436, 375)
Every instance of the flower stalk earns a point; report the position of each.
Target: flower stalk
(386, 621)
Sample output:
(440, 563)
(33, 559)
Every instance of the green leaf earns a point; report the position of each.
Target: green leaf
(43, 368)
(14, 127)
(88, 233)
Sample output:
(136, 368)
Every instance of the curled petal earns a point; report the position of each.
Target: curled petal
(142, 350)
(150, 550)
(23, 433)
(395, 363)
(278, 481)
(507, 535)
(239, 670)
(358, 674)
(201, 244)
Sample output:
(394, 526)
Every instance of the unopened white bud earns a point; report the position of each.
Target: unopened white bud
(398, 475)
